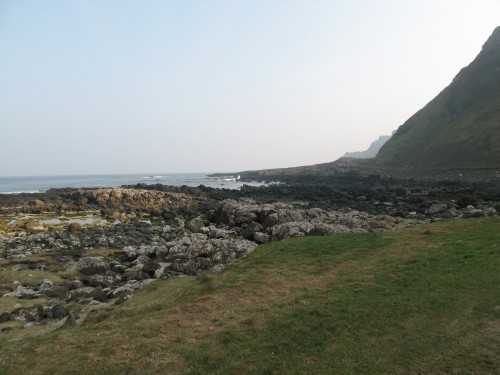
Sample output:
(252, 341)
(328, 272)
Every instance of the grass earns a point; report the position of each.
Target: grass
(395, 302)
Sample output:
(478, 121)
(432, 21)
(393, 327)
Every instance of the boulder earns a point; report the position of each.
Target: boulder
(5, 317)
(45, 284)
(250, 229)
(23, 293)
(150, 268)
(74, 227)
(260, 237)
(93, 265)
(195, 225)
(59, 311)
(436, 208)
(98, 294)
(80, 293)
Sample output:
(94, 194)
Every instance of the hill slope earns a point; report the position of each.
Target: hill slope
(460, 127)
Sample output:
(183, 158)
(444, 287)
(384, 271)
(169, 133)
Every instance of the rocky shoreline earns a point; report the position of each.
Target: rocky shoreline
(69, 252)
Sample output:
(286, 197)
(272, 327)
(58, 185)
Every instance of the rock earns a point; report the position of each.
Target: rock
(99, 280)
(260, 237)
(191, 266)
(45, 284)
(199, 248)
(59, 311)
(80, 293)
(5, 317)
(59, 292)
(436, 208)
(119, 268)
(220, 233)
(69, 322)
(150, 267)
(23, 292)
(159, 273)
(99, 294)
(291, 229)
(93, 265)
(169, 233)
(195, 225)
(471, 211)
(75, 284)
(129, 288)
(74, 227)
(135, 275)
(250, 229)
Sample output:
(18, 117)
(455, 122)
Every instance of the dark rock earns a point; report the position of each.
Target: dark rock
(118, 268)
(59, 292)
(59, 311)
(5, 317)
(250, 229)
(99, 295)
(150, 268)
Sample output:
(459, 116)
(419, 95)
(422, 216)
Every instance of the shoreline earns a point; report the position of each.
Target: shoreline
(73, 250)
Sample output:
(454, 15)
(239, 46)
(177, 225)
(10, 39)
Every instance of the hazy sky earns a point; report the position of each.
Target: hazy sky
(117, 86)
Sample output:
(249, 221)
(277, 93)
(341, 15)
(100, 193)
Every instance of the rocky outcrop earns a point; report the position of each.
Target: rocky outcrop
(111, 202)
(277, 221)
(108, 262)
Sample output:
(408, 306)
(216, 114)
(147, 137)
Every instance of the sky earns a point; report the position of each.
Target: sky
(121, 86)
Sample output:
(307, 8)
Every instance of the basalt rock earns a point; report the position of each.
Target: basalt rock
(93, 265)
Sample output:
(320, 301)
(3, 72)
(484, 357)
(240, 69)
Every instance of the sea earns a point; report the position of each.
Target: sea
(40, 184)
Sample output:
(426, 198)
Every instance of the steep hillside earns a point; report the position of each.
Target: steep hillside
(460, 127)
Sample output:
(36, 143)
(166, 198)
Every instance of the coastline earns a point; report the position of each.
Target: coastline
(41, 184)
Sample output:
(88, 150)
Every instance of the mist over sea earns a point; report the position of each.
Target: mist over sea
(39, 184)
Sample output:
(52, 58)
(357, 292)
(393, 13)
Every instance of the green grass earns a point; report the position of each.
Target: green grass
(395, 302)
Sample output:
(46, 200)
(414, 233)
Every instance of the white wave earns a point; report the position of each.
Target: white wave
(20, 192)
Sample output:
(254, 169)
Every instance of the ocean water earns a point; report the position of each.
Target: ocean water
(38, 184)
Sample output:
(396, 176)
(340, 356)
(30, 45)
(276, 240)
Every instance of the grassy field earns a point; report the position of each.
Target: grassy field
(423, 300)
